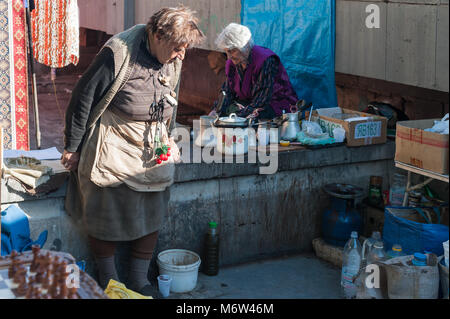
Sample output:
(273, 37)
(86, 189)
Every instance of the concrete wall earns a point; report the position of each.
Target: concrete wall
(259, 216)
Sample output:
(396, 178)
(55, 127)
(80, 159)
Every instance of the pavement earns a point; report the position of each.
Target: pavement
(301, 276)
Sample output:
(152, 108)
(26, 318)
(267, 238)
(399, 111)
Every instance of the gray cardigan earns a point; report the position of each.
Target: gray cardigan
(102, 80)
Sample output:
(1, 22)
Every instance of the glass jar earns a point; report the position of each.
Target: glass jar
(397, 190)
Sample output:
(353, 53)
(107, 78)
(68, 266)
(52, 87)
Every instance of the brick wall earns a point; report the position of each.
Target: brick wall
(354, 92)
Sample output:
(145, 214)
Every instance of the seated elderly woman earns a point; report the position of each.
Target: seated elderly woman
(257, 85)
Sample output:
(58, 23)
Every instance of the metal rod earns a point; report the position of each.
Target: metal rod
(33, 80)
(408, 185)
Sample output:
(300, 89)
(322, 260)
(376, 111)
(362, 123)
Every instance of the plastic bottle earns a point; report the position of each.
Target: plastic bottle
(351, 264)
(396, 251)
(211, 265)
(419, 259)
(377, 253)
(368, 244)
(376, 190)
(397, 190)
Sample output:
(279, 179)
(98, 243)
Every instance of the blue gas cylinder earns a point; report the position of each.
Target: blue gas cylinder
(342, 217)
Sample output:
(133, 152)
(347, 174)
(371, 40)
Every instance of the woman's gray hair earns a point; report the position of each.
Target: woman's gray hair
(235, 36)
(178, 25)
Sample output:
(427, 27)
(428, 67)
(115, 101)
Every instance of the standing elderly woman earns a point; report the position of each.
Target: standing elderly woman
(117, 142)
(257, 85)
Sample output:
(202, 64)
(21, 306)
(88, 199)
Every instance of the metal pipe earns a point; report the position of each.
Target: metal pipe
(33, 80)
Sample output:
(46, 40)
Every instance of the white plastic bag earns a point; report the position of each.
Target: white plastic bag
(312, 129)
(440, 127)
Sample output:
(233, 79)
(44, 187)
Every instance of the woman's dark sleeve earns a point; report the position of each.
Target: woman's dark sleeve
(89, 90)
(228, 99)
(263, 89)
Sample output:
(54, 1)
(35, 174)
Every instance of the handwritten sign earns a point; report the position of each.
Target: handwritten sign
(328, 126)
(369, 129)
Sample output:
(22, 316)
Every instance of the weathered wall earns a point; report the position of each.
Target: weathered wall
(109, 16)
(213, 14)
(199, 86)
(102, 15)
(354, 92)
(410, 47)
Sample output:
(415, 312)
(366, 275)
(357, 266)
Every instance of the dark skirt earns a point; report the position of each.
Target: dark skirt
(116, 214)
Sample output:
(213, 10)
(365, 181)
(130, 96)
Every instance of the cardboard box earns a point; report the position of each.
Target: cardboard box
(360, 128)
(420, 148)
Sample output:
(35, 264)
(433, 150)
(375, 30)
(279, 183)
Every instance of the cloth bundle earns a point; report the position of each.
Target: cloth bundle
(27, 170)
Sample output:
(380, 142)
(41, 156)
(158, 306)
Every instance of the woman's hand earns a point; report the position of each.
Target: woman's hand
(70, 160)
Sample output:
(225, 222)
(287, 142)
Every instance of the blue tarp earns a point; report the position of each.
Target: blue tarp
(302, 33)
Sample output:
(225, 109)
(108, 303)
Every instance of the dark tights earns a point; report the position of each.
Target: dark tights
(141, 248)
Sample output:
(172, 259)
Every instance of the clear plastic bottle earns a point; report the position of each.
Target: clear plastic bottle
(368, 244)
(211, 265)
(397, 190)
(351, 265)
(396, 251)
(377, 253)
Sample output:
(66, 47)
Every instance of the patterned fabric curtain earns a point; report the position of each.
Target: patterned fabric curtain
(13, 75)
(55, 32)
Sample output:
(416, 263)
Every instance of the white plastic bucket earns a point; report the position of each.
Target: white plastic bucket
(182, 265)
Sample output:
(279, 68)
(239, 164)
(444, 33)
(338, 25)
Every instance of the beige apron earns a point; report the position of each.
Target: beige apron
(125, 153)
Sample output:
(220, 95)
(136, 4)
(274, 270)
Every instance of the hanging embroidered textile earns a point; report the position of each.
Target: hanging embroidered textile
(13, 76)
(55, 32)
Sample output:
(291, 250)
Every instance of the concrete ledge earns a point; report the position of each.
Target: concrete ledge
(12, 192)
(289, 160)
